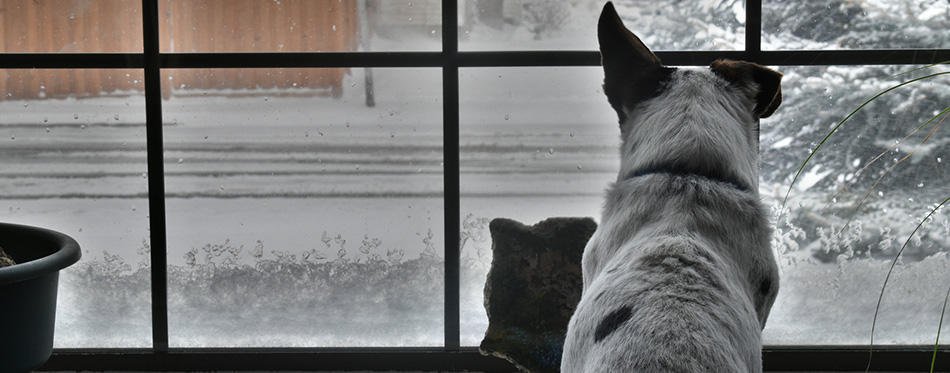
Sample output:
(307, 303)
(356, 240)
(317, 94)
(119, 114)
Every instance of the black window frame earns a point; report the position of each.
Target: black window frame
(452, 356)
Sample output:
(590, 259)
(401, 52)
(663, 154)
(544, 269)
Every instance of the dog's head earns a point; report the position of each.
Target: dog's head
(704, 121)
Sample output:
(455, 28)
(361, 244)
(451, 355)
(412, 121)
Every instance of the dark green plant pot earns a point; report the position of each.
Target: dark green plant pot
(28, 293)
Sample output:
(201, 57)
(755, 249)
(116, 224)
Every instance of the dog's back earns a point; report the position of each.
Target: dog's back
(679, 276)
(665, 289)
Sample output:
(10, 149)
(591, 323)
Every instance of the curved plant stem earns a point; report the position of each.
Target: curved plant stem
(835, 129)
(848, 186)
(855, 212)
(877, 308)
(943, 311)
(919, 68)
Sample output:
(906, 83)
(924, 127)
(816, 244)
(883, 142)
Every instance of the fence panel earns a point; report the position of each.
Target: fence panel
(115, 26)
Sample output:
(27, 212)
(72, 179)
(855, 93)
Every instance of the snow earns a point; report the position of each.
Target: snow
(811, 177)
(783, 143)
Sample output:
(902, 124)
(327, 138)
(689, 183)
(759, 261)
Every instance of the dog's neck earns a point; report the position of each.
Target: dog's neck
(677, 171)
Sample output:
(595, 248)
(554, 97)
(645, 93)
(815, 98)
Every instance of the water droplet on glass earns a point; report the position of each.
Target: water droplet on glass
(506, 116)
(334, 27)
(550, 150)
(181, 160)
(579, 167)
(116, 117)
(47, 129)
(12, 137)
(45, 120)
(75, 116)
(880, 194)
(26, 105)
(82, 126)
(920, 185)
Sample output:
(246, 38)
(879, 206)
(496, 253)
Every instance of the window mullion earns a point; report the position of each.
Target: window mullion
(450, 149)
(753, 28)
(156, 176)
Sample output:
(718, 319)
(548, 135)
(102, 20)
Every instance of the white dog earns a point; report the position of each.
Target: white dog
(679, 277)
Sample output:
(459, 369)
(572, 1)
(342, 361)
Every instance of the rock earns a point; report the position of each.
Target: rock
(5, 260)
(533, 286)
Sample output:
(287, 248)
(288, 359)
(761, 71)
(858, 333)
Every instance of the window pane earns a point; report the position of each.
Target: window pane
(842, 24)
(832, 273)
(74, 161)
(297, 218)
(534, 143)
(539, 143)
(71, 26)
(299, 25)
(572, 25)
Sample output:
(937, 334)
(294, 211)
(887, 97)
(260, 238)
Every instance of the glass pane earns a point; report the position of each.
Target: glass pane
(843, 24)
(74, 161)
(299, 25)
(300, 218)
(539, 143)
(534, 143)
(832, 271)
(572, 25)
(71, 26)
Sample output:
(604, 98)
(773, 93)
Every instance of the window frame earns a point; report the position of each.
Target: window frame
(452, 356)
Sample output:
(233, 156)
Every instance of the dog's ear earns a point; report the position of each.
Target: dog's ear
(767, 97)
(631, 71)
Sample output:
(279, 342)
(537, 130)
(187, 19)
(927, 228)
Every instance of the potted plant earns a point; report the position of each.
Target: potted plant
(28, 293)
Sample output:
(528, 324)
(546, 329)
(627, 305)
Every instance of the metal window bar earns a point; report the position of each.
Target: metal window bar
(452, 357)
(156, 182)
(452, 190)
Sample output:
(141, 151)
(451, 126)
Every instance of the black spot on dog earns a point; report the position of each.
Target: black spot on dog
(611, 322)
(765, 287)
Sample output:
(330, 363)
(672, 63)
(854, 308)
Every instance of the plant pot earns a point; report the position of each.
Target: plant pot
(28, 293)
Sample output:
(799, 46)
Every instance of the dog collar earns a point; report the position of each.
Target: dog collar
(680, 172)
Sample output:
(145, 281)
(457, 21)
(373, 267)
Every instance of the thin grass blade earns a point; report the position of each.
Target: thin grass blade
(887, 278)
(943, 311)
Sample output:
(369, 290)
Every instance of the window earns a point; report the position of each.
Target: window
(307, 184)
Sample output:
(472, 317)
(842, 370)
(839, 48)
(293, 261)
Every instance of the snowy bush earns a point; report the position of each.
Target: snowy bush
(544, 17)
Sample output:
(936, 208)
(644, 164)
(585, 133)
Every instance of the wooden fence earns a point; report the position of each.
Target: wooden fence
(115, 26)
